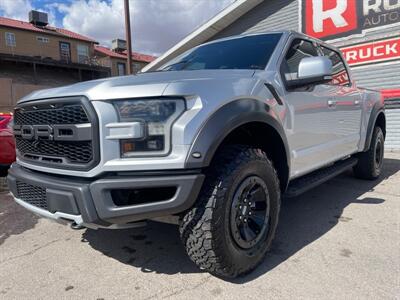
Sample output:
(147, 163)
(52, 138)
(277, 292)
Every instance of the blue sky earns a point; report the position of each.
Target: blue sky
(156, 24)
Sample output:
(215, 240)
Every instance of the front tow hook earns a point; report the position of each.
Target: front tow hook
(75, 226)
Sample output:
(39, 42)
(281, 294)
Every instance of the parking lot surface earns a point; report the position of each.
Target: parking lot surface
(340, 240)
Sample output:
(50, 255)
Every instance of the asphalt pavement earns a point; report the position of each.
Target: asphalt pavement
(339, 241)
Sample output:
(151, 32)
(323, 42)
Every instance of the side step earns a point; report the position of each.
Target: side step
(307, 182)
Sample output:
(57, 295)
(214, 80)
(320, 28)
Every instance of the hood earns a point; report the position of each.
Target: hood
(151, 84)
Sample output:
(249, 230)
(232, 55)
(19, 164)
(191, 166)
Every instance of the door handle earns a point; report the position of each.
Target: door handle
(357, 102)
(331, 103)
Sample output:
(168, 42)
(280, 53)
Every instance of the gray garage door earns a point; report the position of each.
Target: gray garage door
(392, 124)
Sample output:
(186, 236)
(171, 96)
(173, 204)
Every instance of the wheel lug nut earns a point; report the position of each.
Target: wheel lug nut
(249, 203)
(245, 220)
(249, 213)
(240, 217)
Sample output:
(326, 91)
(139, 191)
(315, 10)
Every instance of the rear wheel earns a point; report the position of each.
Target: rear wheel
(233, 223)
(370, 163)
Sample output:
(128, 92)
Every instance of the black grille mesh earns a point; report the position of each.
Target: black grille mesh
(33, 195)
(69, 114)
(74, 152)
(53, 152)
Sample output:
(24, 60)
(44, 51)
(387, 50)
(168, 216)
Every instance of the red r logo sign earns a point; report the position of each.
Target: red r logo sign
(323, 18)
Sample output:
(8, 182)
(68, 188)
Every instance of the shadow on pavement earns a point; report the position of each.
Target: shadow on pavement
(14, 219)
(154, 248)
(303, 219)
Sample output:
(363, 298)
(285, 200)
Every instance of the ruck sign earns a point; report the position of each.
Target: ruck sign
(372, 52)
(332, 19)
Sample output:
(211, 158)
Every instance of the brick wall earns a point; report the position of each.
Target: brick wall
(11, 92)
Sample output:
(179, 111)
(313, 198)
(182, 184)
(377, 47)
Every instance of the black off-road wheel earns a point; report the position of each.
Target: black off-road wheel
(233, 223)
(370, 163)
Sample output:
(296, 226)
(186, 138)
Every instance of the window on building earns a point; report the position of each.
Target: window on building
(10, 39)
(42, 39)
(83, 53)
(121, 69)
(297, 51)
(339, 72)
(65, 52)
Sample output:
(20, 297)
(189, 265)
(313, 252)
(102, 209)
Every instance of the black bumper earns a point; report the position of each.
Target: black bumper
(93, 199)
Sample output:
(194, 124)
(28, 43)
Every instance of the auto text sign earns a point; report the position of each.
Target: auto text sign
(333, 19)
(375, 51)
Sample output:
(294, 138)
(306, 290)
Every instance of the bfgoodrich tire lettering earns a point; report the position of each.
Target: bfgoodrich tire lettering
(206, 229)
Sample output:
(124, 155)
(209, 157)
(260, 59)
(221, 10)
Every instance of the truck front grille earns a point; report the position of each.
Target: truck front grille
(75, 152)
(57, 133)
(33, 195)
(68, 114)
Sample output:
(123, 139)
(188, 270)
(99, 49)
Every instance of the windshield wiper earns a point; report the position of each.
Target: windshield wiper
(175, 64)
(184, 62)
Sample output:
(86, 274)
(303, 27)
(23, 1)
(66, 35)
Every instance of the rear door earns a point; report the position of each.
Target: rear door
(347, 102)
(312, 124)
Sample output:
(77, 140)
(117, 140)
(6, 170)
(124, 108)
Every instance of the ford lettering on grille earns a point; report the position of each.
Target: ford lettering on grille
(81, 132)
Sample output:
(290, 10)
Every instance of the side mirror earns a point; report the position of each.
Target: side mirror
(313, 70)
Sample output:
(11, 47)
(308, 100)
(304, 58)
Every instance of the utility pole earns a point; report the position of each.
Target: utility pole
(128, 36)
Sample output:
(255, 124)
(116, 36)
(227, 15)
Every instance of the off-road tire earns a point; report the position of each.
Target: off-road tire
(206, 229)
(370, 163)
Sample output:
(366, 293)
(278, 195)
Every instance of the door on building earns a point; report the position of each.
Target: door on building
(312, 122)
(65, 52)
(121, 69)
(347, 104)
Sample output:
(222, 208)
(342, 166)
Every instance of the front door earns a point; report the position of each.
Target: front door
(312, 123)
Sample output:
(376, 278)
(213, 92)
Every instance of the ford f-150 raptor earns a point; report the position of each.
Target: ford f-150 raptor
(214, 136)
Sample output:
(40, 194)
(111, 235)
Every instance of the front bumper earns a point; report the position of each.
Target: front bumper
(91, 202)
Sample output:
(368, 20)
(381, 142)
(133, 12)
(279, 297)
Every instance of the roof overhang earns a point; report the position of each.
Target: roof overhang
(206, 31)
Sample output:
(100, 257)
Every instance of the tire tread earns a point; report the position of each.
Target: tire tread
(198, 228)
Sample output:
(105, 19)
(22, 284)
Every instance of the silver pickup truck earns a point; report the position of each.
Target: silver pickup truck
(216, 136)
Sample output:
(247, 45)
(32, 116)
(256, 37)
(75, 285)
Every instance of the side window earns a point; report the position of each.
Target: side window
(339, 72)
(65, 52)
(83, 53)
(10, 39)
(42, 39)
(297, 51)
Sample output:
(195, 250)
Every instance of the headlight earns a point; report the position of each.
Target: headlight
(157, 117)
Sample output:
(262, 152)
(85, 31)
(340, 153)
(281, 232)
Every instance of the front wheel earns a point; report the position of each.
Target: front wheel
(370, 163)
(232, 225)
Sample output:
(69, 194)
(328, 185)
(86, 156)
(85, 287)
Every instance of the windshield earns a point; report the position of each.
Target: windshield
(248, 52)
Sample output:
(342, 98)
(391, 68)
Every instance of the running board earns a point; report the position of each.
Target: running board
(307, 182)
